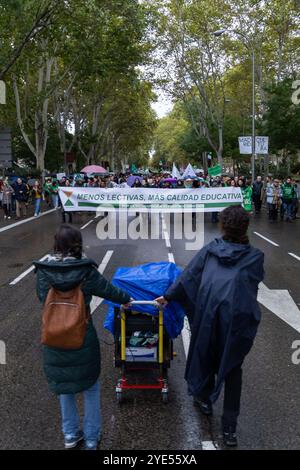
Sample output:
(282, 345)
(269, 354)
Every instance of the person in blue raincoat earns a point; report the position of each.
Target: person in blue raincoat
(219, 292)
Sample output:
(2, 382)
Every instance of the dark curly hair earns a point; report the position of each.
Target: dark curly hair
(234, 222)
(68, 241)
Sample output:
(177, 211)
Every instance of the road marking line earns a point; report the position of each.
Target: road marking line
(167, 240)
(265, 238)
(209, 445)
(3, 229)
(165, 232)
(281, 303)
(86, 225)
(96, 301)
(24, 274)
(171, 258)
(294, 256)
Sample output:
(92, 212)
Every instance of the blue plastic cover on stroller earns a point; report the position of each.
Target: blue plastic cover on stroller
(146, 282)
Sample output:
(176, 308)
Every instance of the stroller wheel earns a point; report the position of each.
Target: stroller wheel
(165, 397)
(119, 397)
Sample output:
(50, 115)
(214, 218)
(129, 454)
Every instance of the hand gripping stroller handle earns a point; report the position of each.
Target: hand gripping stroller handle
(146, 302)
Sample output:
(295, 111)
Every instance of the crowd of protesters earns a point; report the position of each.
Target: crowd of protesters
(280, 197)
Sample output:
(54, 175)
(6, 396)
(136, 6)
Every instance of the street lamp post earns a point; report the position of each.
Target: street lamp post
(250, 47)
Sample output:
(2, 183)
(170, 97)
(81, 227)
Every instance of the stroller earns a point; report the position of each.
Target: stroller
(144, 332)
(130, 358)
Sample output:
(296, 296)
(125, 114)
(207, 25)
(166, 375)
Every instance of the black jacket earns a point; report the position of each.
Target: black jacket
(21, 192)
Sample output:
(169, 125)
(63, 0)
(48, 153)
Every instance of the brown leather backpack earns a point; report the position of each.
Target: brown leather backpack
(65, 319)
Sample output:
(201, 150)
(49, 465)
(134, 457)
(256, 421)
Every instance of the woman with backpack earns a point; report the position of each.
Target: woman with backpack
(66, 283)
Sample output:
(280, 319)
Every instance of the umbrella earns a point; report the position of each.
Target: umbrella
(169, 180)
(131, 180)
(93, 169)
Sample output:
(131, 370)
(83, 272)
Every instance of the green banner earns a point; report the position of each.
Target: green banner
(215, 170)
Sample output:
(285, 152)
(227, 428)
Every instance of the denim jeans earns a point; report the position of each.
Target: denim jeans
(288, 209)
(92, 424)
(55, 200)
(37, 209)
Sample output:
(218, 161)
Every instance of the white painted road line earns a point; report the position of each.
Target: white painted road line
(171, 258)
(105, 261)
(209, 445)
(294, 256)
(265, 238)
(281, 303)
(96, 301)
(25, 273)
(86, 225)
(21, 222)
(167, 239)
(165, 232)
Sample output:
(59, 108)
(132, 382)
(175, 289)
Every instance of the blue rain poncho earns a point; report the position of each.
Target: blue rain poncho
(146, 282)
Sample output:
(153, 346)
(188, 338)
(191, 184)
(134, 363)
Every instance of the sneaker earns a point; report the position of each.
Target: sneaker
(229, 437)
(91, 445)
(5, 217)
(9, 217)
(71, 442)
(205, 408)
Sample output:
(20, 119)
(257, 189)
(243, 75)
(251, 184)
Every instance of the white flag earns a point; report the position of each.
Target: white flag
(175, 172)
(189, 172)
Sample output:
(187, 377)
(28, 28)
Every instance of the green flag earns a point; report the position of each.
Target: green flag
(215, 170)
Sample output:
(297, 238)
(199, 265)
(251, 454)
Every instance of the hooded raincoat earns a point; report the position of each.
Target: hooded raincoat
(219, 292)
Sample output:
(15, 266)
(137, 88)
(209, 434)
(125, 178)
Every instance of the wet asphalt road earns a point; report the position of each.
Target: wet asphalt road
(29, 413)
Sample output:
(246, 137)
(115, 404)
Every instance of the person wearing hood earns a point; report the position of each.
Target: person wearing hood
(219, 292)
(72, 371)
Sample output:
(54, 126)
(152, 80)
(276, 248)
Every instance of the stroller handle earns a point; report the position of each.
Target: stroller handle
(146, 302)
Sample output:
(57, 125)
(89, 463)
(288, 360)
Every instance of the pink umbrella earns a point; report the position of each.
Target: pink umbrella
(93, 169)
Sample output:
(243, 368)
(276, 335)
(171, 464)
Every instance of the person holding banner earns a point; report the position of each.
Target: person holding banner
(247, 194)
(218, 290)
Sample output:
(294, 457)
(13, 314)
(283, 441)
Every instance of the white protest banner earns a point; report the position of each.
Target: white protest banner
(261, 145)
(245, 144)
(149, 199)
(60, 176)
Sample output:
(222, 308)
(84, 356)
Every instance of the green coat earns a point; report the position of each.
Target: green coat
(247, 198)
(73, 371)
(288, 192)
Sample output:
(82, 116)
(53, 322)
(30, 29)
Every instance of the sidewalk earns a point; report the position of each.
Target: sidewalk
(30, 213)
